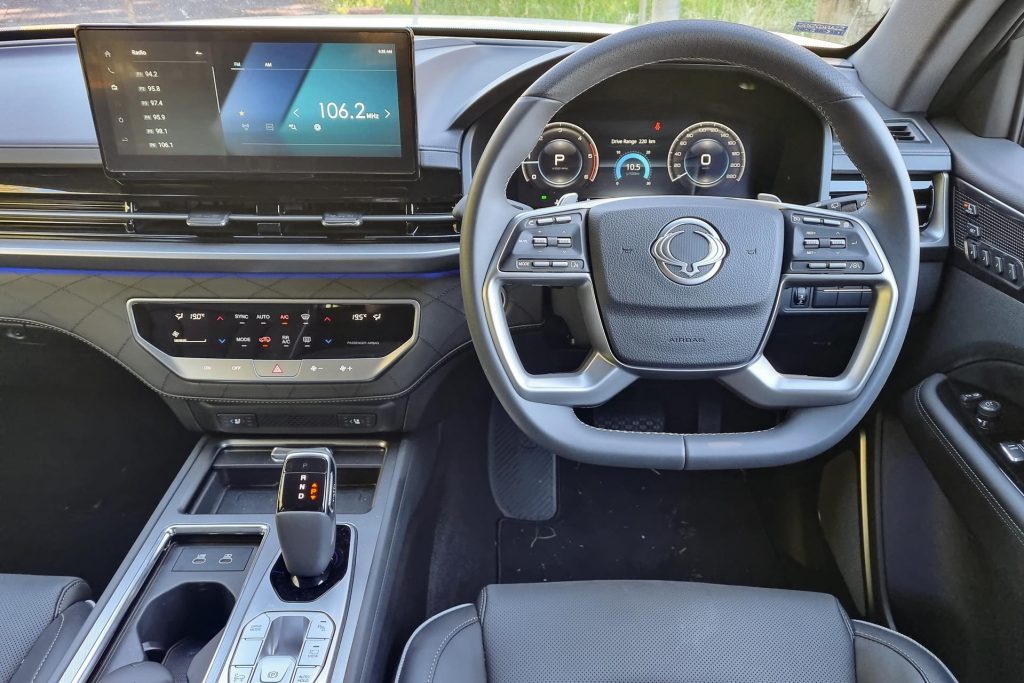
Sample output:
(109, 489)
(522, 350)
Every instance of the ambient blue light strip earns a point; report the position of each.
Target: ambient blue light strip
(432, 275)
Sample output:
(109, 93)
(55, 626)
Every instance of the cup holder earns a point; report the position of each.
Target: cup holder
(178, 623)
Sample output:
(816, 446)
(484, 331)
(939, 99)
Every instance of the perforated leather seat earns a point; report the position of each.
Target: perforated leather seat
(659, 632)
(39, 618)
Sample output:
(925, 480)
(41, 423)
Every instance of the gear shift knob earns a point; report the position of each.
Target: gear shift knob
(305, 516)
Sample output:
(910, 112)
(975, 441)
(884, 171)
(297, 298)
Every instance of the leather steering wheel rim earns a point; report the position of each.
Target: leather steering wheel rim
(808, 429)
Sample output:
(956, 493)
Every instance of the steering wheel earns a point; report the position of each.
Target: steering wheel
(680, 287)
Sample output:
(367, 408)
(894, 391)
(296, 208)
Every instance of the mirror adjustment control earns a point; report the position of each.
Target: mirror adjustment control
(986, 414)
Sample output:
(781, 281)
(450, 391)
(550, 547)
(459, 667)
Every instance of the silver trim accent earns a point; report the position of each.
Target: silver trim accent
(243, 370)
(601, 376)
(114, 611)
(334, 603)
(689, 273)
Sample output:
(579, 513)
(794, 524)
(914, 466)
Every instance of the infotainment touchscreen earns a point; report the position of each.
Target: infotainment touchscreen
(181, 101)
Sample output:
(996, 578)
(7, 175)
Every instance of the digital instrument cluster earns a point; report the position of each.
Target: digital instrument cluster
(704, 155)
(676, 130)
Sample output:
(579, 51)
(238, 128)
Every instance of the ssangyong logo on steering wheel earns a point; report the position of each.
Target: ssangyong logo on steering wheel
(689, 251)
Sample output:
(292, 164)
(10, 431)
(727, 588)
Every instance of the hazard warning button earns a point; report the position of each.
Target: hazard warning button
(277, 368)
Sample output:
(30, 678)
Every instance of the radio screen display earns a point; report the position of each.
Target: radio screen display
(273, 331)
(170, 101)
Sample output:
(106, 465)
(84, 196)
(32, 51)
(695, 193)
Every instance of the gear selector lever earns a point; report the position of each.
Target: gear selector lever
(305, 516)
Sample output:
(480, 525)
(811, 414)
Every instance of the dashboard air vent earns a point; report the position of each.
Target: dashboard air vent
(851, 200)
(905, 130)
(183, 218)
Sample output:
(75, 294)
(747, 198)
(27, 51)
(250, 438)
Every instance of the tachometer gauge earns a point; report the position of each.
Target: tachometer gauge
(706, 154)
(564, 157)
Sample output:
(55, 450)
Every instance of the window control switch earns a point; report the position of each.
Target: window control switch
(1012, 452)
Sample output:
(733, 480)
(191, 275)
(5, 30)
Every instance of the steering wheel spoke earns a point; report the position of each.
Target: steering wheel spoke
(870, 285)
(546, 248)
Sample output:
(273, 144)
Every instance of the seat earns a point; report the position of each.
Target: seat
(658, 632)
(39, 618)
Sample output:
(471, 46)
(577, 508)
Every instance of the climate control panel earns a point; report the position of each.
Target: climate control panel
(275, 340)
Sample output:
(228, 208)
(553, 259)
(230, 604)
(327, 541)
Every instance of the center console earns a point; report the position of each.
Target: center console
(260, 565)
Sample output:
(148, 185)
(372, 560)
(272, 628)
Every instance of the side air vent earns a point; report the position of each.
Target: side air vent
(905, 130)
(178, 218)
(851, 200)
(924, 198)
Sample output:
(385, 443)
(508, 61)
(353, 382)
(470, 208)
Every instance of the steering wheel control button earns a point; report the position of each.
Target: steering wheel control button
(320, 627)
(553, 235)
(801, 297)
(276, 669)
(819, 237)
(817, 265)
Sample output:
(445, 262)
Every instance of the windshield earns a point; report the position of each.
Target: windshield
(829, 21)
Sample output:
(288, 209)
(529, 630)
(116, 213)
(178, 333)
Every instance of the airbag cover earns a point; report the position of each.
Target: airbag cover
(686, 283)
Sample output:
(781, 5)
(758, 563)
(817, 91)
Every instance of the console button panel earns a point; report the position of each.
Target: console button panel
(282, 647)
(275, 340)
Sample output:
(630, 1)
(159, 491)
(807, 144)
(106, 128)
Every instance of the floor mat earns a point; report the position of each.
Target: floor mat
(640, 524)
(86, 453)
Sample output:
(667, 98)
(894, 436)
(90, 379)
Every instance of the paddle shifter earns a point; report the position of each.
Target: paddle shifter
(305, 516)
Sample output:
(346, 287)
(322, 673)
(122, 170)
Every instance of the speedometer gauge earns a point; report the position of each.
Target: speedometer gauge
(706, 154)
(565, 156)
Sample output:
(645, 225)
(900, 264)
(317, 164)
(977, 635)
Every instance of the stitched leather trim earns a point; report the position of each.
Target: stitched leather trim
(966, 468)
(59, 608)
(444, 644)
(418, 631)
(49, 649)
(910, 660)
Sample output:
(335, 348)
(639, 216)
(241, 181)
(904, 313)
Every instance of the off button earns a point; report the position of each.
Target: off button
(277, 368)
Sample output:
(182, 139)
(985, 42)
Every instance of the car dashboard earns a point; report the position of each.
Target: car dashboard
(87, 248)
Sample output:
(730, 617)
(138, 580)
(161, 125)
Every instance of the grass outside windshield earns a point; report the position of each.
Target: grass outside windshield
(835, 21)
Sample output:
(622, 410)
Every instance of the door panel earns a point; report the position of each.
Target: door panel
(951, 501)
